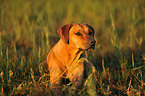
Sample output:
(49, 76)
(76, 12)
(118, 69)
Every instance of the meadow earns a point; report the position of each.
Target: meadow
(28, 30)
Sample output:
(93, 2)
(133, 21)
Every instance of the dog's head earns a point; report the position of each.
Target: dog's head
(78, 35)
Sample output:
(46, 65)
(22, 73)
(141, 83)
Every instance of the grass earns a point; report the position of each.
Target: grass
(28, 31)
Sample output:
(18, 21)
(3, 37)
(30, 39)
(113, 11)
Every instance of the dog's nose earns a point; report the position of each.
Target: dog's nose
(92, 42)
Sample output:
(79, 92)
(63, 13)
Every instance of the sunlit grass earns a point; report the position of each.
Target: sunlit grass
(28, 29)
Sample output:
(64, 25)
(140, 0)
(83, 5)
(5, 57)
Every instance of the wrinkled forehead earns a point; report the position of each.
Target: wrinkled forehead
(80, 27)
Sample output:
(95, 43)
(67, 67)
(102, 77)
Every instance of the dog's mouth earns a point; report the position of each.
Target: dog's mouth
(93, 45)
(90, 48)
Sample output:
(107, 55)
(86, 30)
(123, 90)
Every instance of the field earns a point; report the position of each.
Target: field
(28, 30)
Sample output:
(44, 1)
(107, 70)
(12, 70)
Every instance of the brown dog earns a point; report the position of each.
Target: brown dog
(63, 58)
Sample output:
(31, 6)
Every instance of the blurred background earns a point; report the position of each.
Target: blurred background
(29, 23)
(29, 27)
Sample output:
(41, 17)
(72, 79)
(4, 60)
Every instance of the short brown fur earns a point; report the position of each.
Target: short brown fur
(63, 58)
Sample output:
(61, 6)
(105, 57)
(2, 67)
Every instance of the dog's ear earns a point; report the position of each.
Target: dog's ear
(91, 28)
(63, 32)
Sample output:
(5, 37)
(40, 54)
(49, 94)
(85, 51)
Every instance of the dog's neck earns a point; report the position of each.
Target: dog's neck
(70, 52)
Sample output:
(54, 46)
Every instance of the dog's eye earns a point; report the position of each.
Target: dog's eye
(78, 33)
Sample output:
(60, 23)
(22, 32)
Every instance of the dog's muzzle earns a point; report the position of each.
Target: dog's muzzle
(92, 44)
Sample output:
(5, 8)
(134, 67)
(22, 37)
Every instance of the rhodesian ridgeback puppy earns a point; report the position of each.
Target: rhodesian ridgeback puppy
(63, 58)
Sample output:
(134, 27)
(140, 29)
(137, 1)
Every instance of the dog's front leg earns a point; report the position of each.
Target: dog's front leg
(55, 75)
(76, 74)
